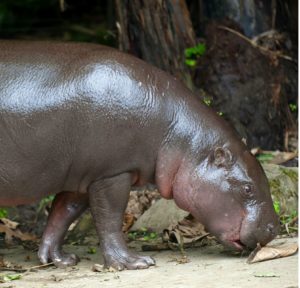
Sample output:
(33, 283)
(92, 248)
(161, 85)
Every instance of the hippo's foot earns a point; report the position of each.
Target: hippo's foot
(130, 261)
(66, 207)
(59, 258)
(108, 200)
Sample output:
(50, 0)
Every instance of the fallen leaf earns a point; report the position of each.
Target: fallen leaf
(273, 157)
(128, 221)
(98, 268)
(185, 231)
(271, 252)
(182, 260)
(10, 233)
(111, 269)
(57, 278)
(9, 224)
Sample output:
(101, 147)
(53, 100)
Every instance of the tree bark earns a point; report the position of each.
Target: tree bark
(157, 31)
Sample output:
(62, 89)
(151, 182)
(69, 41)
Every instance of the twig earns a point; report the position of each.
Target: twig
(286, 226)
(40, 266)
(62, 5)
(83, 30)
(20, 270)
(28, 270)
(263, 49)
(293, 221)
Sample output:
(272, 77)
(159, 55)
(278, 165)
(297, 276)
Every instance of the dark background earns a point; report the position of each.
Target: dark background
(257, 92)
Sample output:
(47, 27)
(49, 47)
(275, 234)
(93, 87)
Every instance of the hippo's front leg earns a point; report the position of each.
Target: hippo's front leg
(66, 207)
(108, 201)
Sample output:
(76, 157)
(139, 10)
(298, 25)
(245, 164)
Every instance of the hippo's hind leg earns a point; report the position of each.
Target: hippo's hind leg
(108, 201)
(66, 207)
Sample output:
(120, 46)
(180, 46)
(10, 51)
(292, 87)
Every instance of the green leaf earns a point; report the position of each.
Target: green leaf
(92, 250)
(190, 62)
(153, 235)
(3, 213)
(132, 235)
(10, 277)
(195, 51)
(264, 157)
(146, 238)
(276, 205)
(293, 107)
(207, 101)
(200, 49)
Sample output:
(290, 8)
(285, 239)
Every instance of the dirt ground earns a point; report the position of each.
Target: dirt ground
(207, 267)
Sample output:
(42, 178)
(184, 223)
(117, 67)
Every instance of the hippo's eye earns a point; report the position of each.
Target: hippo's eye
(247, 190)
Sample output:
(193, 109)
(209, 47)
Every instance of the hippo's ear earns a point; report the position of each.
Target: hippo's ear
(222, 157)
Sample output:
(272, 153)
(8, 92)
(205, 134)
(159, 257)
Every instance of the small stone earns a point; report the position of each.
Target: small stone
(98, 268)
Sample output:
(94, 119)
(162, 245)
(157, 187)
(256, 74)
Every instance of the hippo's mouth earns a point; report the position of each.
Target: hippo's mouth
(233, 241)
(237, 244)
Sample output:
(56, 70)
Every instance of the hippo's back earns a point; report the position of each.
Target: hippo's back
(66, 111)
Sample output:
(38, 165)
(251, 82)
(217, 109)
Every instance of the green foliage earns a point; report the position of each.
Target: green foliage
(264, 157)
(143, 234)
(9, 277)
(287, 221)
(207, 101)
(190, 62)
(276, 205)
(3, 213)
(92, 250)
(193, 53)
(293, 107)
(44, 202)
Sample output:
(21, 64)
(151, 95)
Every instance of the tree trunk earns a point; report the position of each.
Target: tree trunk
(157, 31)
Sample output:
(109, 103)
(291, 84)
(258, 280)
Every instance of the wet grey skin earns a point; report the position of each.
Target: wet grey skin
(86, 123)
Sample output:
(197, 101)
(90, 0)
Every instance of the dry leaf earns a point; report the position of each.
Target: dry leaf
(181, 260)
(272, 252)
(186, 231)
(10, 233)
(277, 157)
(98, 268)
(128, 221)
(8, 223)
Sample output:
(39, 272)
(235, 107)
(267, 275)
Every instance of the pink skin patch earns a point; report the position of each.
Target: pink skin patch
(17, 201)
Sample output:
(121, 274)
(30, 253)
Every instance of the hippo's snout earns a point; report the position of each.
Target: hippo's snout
(262, 236)
(262, 230)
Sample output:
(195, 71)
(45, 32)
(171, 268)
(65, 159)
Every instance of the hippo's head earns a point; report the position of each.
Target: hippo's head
(228, 192)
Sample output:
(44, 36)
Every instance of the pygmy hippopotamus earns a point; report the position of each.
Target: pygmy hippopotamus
(86, 123)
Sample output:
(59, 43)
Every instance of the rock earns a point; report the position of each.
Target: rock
(160, 216)
(284, 186)
(84, 231)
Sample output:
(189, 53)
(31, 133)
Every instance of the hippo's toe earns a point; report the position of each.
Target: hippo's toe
(130, 262)
(59, 258)
(63, 260)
